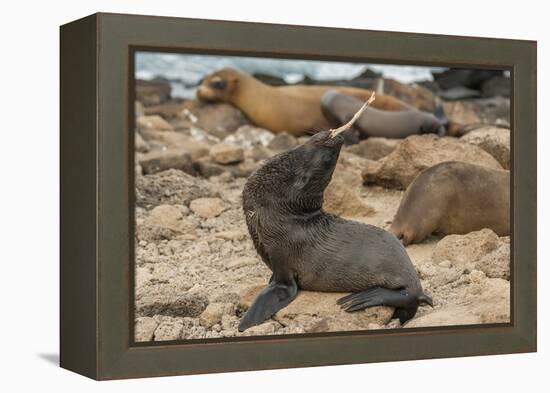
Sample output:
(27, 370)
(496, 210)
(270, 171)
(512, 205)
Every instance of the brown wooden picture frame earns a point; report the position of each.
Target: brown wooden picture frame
(97, 183)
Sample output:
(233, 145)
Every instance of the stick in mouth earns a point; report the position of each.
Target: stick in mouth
(349, 124)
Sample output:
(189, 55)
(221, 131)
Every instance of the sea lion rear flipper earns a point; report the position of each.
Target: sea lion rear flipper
(272, 298)
(405, 304)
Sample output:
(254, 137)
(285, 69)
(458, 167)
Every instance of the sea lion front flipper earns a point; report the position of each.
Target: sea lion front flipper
(405, 304)
(272, 298)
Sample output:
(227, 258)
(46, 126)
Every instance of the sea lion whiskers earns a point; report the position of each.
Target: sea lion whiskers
(349, 124)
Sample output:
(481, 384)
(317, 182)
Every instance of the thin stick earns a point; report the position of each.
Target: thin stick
(349, 124)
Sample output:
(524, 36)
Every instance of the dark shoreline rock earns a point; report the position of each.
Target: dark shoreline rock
(152, 92)
(161, 160)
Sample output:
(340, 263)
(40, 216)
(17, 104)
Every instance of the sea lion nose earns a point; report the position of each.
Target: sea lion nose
(202, 92)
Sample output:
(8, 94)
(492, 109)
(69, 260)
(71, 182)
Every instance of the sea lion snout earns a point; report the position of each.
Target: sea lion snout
(326, 139)
(204, 94)
(218, 86)
(334, 141)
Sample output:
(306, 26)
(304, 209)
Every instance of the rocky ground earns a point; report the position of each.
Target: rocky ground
(196, 268)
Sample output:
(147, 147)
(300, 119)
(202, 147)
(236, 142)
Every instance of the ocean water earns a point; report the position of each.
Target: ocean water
(186, 71)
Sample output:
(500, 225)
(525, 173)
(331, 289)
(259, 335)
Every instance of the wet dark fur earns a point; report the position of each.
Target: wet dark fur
(309, 249)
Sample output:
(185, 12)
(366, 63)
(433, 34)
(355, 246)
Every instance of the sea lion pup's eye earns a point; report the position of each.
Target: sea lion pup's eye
(218, 83)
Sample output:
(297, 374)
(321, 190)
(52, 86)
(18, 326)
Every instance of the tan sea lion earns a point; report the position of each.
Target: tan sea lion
(454, 198)
(295, 109)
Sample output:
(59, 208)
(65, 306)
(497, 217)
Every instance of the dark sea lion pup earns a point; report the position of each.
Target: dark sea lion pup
(307, 248)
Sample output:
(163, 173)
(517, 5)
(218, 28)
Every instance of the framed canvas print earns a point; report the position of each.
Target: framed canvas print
(241, 196)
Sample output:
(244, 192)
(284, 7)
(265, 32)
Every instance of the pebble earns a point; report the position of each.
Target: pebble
(207, 207)
(225, 153)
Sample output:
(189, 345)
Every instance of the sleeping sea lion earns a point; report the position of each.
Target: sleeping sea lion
(295, 109)
(338, 108)
(307, 248)
(454, 198)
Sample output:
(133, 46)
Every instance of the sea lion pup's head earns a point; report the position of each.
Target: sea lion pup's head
(314, 163)
(219, 86)
(294, 181)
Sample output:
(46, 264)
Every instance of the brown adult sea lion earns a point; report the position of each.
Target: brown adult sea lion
(307, 248)
(454, 198)
(295, 109)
